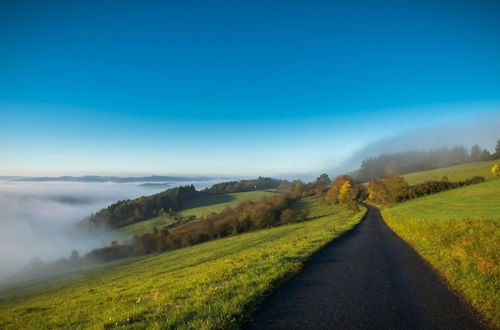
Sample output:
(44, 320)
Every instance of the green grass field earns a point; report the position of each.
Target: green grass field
(454, 173)
(458, 232)
(211, 285)
(198, 207)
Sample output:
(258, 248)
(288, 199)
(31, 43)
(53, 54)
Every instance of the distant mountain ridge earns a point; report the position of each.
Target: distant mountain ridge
(115, 179)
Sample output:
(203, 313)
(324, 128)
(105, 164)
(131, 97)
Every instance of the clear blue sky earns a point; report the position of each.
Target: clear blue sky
(233, 87)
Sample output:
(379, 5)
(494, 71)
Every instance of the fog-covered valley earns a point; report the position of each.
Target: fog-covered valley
(37, 218)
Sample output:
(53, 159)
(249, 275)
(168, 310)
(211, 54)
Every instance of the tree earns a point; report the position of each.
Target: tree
(321, 184)
(475, 153)
(387, 189)
(495, 170)
(345, 192)
(287, 216)
(332, 196)
(298, 188)
(497, 150)
(485, 155)
(74, 256)
(323, 179)
(346, 197)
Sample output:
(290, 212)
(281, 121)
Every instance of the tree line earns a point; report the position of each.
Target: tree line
(126, 212)
(247, 216)
(414, 161)
(394, 189)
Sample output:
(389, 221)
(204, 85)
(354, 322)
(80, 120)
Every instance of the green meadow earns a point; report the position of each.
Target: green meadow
(211, 285)
(197, 207)
(458, 233)
(454, 173)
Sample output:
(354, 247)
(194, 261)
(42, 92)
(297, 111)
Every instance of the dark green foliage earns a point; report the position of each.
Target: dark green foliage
(243, 185)
(475, 153)
(123, 213)
(248, 216)
(391, 188)
(126, 212)
(497, 150)
(432, 187)
(485, 155)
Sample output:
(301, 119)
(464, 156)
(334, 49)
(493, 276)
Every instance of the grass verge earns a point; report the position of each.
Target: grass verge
(458, 232)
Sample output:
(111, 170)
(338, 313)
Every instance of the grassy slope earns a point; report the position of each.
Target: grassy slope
(458, 232)
(211, 285)
(454, 173)
(198, 207)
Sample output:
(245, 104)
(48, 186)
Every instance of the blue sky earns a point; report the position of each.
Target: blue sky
(233, 87)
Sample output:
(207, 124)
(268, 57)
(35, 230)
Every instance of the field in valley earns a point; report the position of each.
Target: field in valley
(198, 207)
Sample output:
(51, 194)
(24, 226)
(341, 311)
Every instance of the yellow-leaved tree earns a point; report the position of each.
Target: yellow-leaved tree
(345, 191)
(495, 170)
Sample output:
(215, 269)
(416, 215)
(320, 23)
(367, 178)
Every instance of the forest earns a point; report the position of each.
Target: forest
(414, 161)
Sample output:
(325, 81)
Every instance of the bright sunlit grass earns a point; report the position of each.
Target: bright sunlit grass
(458, 232)
(212, 285)
(454, 173)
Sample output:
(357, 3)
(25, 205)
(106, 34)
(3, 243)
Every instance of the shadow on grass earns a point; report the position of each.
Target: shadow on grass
(208, 200)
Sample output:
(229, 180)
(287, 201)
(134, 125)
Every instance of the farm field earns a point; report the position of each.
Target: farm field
(211, 285)
(198, 207)
(454, 173)
(458, 231)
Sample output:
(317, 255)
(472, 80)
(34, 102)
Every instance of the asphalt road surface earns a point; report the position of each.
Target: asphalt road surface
(367, 279)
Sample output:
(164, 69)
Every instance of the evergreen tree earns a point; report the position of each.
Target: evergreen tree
(475, 153)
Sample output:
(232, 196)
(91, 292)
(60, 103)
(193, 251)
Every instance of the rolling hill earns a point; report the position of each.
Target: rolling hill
(197, 207)
(216, 284)
(454, 173)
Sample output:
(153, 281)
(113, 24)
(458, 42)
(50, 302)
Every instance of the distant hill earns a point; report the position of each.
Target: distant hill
(115, 179)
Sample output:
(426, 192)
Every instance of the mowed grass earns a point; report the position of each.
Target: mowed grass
(198, 207)
(458, 232)
(454, 173)
(207, 286)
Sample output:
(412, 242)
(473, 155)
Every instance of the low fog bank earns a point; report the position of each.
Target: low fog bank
(36, 218)
(483, 130)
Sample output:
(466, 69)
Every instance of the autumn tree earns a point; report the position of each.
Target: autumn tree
(298, 188)
(387, 189)
(287, 216)
(332, 196)
(346, 197)
(495, 170)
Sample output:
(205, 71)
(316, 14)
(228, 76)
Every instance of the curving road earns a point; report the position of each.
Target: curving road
(367, 279)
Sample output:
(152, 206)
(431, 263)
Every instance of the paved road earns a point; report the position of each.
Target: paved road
(368, 279)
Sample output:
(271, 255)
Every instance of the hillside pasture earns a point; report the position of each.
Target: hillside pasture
(454, 173)
(206, 286)
(197, 207)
